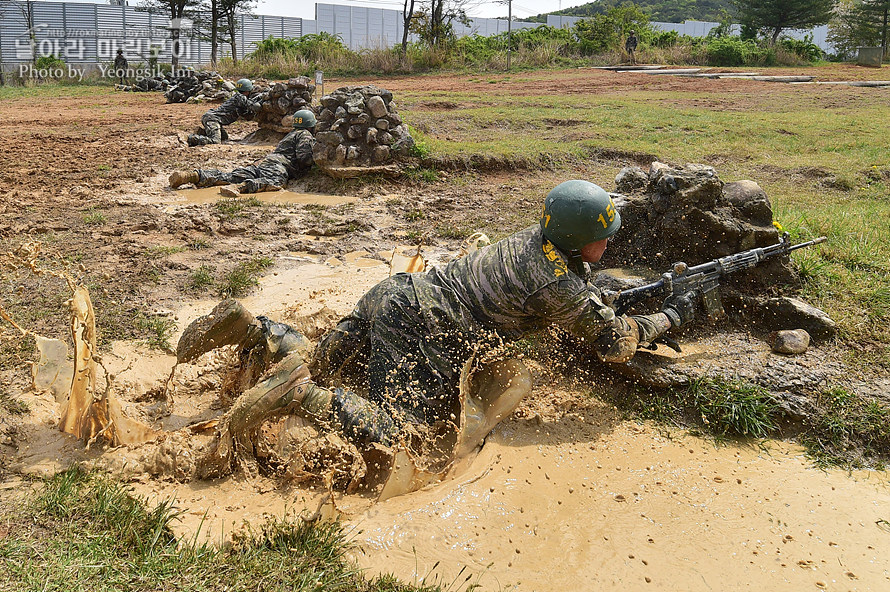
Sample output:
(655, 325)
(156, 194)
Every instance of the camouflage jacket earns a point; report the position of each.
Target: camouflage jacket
(294, 152)
(523, 283)
(236, 107)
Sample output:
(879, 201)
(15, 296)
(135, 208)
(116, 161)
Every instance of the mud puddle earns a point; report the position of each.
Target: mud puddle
(563, 496)
(206, 195)
(637, 509)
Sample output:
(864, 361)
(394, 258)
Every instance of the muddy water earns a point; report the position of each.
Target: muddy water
(569, 500)
(207, 195)
(632, 508)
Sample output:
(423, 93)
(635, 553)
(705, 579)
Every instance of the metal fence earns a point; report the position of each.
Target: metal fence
(81, 33)
(702, 28)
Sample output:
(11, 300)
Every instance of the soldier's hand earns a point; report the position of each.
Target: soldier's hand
(680, 309)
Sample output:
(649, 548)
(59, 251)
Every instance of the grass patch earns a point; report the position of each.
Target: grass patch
(453, 231)
(414, 215)
(231, 207)
(13, 406)
(201, 279)
(94, 217)
(86, 532)
(421, 175)
(240, 280)
(155, 330)
(847, 429)
(733, 407)
(160, 251)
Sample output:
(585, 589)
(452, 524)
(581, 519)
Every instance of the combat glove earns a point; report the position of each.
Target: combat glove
(619, 343)
(680, 309)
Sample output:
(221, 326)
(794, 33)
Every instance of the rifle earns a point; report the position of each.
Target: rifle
(703, 280)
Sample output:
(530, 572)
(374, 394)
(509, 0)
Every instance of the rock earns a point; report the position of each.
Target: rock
(682, 214)
(630, 179)
(786, 311)
(376, 106)
(795, 341)
(380, 153)
(364, 131)
(750, 200)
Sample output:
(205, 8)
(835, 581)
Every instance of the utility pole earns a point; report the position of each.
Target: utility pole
(509, 30)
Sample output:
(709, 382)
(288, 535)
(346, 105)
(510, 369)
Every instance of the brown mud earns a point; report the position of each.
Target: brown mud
(565, 494)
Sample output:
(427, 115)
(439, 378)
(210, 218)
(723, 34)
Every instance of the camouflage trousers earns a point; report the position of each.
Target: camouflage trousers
(266, 176)
(404, 346)
(213, 132)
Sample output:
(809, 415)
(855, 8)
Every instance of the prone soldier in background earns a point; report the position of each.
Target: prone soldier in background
(238, 106)
(291, 159)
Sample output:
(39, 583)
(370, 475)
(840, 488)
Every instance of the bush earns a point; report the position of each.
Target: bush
(49, 62)
(664, 39)
(733, 51)
(804, 48)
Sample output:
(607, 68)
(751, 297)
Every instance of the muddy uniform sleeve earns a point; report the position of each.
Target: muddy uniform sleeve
(582, 313)
(296, 148)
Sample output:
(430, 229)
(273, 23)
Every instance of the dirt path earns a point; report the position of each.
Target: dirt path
(565, 495)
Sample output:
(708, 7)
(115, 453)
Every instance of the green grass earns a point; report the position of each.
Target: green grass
(733, 407)
(201, 279)
(231, 207)
(847, 429)
(13, 406)
(160, 251)
(94, 217)
(155, 330)
(85, 532)
(240, 280)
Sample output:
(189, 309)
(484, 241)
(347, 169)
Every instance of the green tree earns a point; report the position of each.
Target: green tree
(875, 14)
(858, 23)
(604, 32)
(776, 16)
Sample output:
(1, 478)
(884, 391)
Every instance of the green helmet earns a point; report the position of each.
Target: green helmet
(304, 119)
(577, 213)
(244, 85)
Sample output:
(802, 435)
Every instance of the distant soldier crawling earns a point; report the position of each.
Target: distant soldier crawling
(236, 107)
(631, 47)
(408, 338)
(291, 159)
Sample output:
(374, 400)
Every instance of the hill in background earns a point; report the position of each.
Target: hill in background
(666, 11)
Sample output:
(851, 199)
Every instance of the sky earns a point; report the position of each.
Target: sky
(521, 8)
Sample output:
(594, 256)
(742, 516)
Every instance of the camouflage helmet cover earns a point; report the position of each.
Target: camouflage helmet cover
(244, 85)
(577, 213)
(304, 119)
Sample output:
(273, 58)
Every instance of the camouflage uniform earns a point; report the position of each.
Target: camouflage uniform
(409, 336)
(236, 107)
(291, 159)
(120, 66)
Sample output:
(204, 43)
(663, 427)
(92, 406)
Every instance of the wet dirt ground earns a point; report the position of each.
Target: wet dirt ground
(565, 494)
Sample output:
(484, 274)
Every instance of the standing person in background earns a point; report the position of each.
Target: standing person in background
(631, 46)
(120, 66)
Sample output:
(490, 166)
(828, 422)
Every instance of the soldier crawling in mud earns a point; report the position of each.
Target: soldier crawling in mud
(236, 107)
(291, 159)
(408, 338)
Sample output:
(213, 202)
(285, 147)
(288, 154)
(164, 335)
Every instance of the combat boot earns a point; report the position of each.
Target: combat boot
(228, 323)
(180, 178)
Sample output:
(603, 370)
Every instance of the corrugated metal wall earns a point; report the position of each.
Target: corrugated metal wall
(82, 33)
(701, 29)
